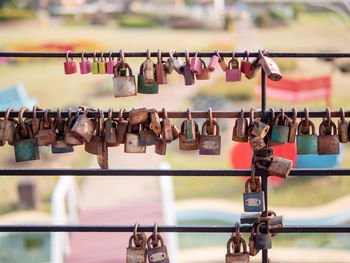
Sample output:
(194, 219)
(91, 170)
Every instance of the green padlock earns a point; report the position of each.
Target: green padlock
(94, 65)
(306, 143)
(26, 149)
(146, 88)
(280, 133)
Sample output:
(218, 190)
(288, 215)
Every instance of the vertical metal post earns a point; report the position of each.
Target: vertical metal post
(265, 175)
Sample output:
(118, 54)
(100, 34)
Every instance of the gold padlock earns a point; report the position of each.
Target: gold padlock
(240, 129)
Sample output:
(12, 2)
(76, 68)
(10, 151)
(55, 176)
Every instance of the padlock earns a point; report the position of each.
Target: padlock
(306, 143)
(7, 128)
(148, 137)
(148, 70)
(205, 73)
(293, 127)
(161, 70)
(137, 116)
(110, 131)
(280, 167)
(195, 64)
(69, 138)
(175, 132)
(133, 142)
(328, 143)
(263, 240)
(277, 222)
(160, 147)
(124, 86)
(240, 129)
(46, 136)
(61, 146)
(233, 72)
(95, 144)
(254, 68)
(94, 64)
(110, 64)
(222, 62)
(210, 144)
(253, 201)
(70, 66)
(84, 65)
(270, 68)
(102, 159)
(343, 128)
(189, 136)
(155, 125)
(213, 61)
(252, 246)
(122, 127)
(102, 64)
(83, 127)
(280, 133)
(149, 87)
(246, 65)
(188, 74)
(256, 143)
(259, 128)
(26, 149)
(137, 253)
(167, 134)
(250, 218)
(174, 63)
(236, 256)
(157, 253)
(35, 122)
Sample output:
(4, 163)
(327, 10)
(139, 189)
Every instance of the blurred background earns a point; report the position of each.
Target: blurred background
(205, 25)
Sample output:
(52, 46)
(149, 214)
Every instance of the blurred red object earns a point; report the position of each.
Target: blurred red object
(241, 157)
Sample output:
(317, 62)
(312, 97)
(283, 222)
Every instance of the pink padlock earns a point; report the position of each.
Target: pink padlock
(233, 72)
(246, 65)
(110, 64)
(85, 65)
(196, 64)
(214, 61)
(70, 67)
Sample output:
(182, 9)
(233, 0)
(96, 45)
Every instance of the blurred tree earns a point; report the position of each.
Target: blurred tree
(8, 3)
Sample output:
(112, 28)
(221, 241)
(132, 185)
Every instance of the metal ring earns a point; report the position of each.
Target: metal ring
(67, 55)
(342, 114)
(233, 54)
(110, 56)
(135, 233)
(82, 55)
(102, 54)
(241, 115)
(210, 116)
(272, 111)
(121, 111)
(70, 112)
(101, 121)
(110, 114)
(282, 114)
(155, 235)
(247, 54)
(20, 118)
(187, 56)
(46, 117)
(148, 53)
(171, 53)
(295, 114)
(165, 113)
(121, 55)
(189, 115)
(196, 55)
(95, 52)
(159, 55)
(59, 116)
(251, 115)
(306, 111)
(328, 116)
(7, 114)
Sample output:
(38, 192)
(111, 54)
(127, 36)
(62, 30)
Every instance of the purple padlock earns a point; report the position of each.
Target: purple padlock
(214, 61)
(70, 67)
(233, 72)
(196, 64)
(85, 65)
(110, 64)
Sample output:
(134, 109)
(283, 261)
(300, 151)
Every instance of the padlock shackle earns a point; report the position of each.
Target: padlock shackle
(137, 244)
(259, 225)
(101, 121)
(110, 56)
(257, 182)
(7, 114)
(257, 160)
(325, 124)
(203, 65)
(342, 114)
(232, 241)
(156, 238)
(207, 123)
(28, 131)
(283, 117)
(231, 62)
(303, 124)
(221, 59)
(121, 111)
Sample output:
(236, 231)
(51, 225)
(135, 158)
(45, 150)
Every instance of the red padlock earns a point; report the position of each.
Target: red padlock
(70, 67)
(246, 65)
(85, 65)
(214, 61)
(110, 64)
(196, 64)
(233, 72)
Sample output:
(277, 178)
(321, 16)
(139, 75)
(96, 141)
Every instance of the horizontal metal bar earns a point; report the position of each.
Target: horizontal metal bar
(166, 172)
(178, 229)
(182, 114)
(178, 54)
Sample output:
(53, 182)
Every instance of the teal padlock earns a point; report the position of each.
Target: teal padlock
(146, 88)
(94, 65)
(26, 149)
(306, 143)
(280, 133)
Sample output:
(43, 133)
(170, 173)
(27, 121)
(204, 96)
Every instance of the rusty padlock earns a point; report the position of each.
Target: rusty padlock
(133, 141)
(257, 127)
(210, 144)
(343, 127)
(175, 132)
(147, 137)
(137, 116)
(188, 74)
(189, 135)
(222, 62)
(161, 69)
(263, 240)
(240, 129)
(136, 253)
(256, 143)
(293, 127)
(7, 128)
(102, 159)
(155, 125)
(110, 130)
(254, 200)
(69, 138)
(271, 69)
(83, 127)
(160, 147)
(280, 129)
(205, 73)
(47, 131)
(236, 255)
(156, 250)
(254, 68)
(35, 121)
(124, 85)
(61, 146)
(328, 143)
(148, 70)
(149, 87)
(122, 127)
(174, 63)
(167, 134)
(280, 167)
(95, 145)
(250, 218)
(252, 247)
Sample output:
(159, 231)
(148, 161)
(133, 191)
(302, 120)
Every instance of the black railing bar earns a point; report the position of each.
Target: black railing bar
(181, 114)
(178, 54)
(178, 229)
(166, 172)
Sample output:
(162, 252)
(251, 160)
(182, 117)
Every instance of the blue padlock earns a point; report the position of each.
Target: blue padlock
(253, 201)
